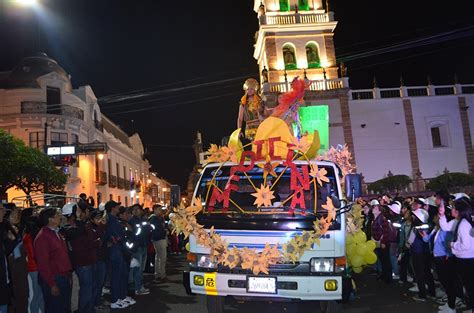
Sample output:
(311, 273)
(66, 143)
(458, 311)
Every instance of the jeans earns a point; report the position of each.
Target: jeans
(117, 283)
(61, 303)
(85, 274)
(137, 272)
(100, 270)
(384, 255)
(394, 258)
(35, 295)
(422, 266)
(405, 266)
(446, 269)
(3, 308)
(466, 270)
(160, 258)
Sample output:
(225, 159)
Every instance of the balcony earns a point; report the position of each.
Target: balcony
(411, 91)
(101, 178)
(112, 181)
(316, 85)
(295, 18)
(122, 183)
(38, 107)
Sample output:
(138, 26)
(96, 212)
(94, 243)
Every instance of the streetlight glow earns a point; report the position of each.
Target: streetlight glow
(27, 3)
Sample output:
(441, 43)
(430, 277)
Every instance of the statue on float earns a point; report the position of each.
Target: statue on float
(251, 109)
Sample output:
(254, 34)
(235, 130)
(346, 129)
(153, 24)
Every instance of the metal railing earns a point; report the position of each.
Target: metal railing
(295, 18)
(315, 85)
(412, 91)
(39, 107)
(101, 177)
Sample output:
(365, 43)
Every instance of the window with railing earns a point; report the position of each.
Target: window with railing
(37, 140)
(53, 100)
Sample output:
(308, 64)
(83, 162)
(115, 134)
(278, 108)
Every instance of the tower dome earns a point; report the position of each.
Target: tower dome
(27, 72)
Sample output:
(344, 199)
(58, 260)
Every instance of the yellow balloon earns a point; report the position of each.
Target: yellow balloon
(188, 247)
(350, 250)
(357, 269)
(370, 258)
(349, 239)
(371, 245)
(362, 249)
(357, 261)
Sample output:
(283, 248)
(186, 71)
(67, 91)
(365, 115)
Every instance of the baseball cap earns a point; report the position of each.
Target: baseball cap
(420, 201)
(374, 202)
(395, 207)
(111, 204)
(68, 208)
(422, 215)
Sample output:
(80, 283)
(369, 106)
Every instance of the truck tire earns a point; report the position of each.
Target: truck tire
(330, 307)
(215, 304)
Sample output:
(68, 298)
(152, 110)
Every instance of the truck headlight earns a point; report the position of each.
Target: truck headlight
(205, 261)
(322, 265)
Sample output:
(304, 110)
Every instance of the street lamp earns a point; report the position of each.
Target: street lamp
(27, 3)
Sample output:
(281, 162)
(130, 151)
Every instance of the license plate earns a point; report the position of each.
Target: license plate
(261, 284)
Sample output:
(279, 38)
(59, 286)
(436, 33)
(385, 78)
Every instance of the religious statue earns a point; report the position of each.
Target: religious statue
(312, 55)
(265, 74)
(251, 109)
(288, 56)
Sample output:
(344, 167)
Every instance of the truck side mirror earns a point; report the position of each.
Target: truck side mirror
(353, 186)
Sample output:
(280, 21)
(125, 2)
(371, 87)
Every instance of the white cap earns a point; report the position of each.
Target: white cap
(459, 195)
(102, 206)
(395, 207)
(431, 201)
(374, 202)
(422, 215)
(68, 208)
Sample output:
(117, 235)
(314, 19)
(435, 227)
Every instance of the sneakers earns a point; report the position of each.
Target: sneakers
(419, 299)
(143, 291)
(414, 289)
(446, 309)
(105, 290)
(395, 277)
(442, 300)
(119, 304)
(129, 301)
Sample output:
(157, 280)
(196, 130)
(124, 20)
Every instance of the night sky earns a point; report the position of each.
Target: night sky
(195, 55)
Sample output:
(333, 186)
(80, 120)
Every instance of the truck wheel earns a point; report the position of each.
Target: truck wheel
(330, 307)
(215, 304)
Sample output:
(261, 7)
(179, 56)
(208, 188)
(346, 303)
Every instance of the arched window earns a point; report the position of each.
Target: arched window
(303, 5)
(289, 57)
(284, 5)
(312, 55)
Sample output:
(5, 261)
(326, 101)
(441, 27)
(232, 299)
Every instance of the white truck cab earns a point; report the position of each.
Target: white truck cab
(321, 272)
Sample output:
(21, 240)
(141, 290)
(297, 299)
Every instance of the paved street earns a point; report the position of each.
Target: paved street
(373, 296)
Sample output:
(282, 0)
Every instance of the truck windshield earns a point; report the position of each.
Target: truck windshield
(241, 210)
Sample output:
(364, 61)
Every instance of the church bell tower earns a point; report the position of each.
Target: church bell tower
(295, 38)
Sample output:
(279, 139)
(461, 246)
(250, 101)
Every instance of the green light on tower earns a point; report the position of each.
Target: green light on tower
(316, 118)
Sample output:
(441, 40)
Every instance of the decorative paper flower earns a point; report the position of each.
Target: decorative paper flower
(231, 257)
(329, 206)
(291, 251)
(195, 207)
(269, 167)
(263, 196)
(341, 156)
(319, 174)
(230, 153)
(216, 154)
(302, 145)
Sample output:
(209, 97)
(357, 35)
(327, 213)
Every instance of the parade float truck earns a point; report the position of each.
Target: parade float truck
(268, 223)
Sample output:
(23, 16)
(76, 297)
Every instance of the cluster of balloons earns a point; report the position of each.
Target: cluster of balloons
(359, 251)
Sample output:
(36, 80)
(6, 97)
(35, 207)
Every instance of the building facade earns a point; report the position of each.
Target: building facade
(39, 106)
(419, 131)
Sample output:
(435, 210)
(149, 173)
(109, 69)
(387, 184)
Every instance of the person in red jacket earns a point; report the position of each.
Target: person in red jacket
(35, 296)
(381, 233)
(53, 263)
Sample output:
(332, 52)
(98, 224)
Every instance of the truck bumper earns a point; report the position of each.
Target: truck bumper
(289, 287)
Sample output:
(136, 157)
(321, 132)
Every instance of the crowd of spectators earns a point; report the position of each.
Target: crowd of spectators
(109, 249)
(420, 239)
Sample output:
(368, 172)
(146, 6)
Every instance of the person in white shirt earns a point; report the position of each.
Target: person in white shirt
(462, 245)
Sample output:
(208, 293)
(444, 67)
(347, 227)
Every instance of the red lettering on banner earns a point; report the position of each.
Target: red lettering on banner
(271, 148)
(259, 145)
(299, 181)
